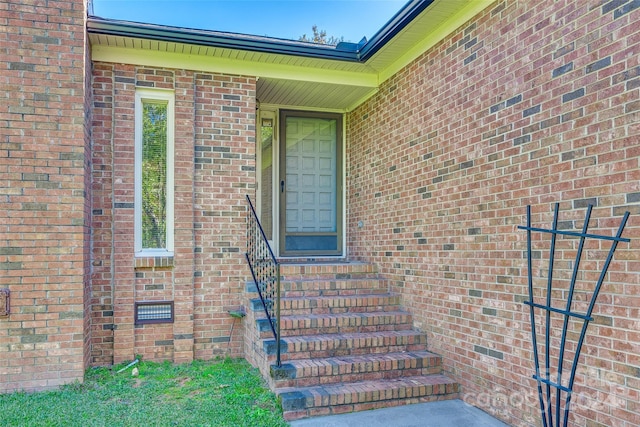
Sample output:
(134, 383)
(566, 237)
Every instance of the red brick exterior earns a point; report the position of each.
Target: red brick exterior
(530, 103)
(44, 202)
(214, 170)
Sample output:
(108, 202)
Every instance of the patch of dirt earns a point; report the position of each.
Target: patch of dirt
(182, 382)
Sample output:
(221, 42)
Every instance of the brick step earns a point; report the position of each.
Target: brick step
(291, 306)
(347, 344)
(328, 287)
(339, 304)
(309, 324)
(333, 345)
(324, 270)
(311, 372)
(302, 402)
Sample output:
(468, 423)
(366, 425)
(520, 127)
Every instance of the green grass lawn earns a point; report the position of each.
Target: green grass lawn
(219, 393)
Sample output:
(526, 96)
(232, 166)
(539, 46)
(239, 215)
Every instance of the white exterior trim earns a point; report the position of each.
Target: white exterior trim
(273, 111)
(168, 97)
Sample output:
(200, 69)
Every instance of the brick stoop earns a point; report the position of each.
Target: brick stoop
(347, 344)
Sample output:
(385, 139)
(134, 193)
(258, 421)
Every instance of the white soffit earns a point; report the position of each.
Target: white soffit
(302, 81)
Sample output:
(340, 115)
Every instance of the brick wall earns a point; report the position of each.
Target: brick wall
(87, 122)
(214, 169)
(530, 103)
(224, 175)
(43, 198)
(101, 348)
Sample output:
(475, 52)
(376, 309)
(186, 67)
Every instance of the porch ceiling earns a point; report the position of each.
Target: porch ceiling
(311, 95)
(290, 73)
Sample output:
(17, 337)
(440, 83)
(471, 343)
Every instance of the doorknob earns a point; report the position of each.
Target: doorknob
(282, 186)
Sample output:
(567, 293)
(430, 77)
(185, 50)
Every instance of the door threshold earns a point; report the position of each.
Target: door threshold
(314, 260)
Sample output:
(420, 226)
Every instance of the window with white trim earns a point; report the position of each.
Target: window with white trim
(154, 153)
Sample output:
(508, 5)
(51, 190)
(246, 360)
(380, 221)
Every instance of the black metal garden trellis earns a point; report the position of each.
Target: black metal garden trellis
(546, 397)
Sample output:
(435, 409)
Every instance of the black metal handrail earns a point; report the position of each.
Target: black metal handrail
(265, 270)
(546, 398)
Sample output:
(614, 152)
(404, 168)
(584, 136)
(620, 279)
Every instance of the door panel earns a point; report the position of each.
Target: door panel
(311, 150)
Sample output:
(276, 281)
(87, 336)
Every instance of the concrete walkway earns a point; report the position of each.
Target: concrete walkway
(445, 413)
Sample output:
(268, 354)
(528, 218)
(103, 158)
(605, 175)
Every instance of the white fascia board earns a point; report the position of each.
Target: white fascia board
(175, 60)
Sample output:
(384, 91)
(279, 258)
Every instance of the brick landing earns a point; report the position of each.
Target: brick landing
(347, 344)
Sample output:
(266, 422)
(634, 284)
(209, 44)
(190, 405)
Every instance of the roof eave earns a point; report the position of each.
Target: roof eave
(97, 25)
(349, 52)
(394, 26)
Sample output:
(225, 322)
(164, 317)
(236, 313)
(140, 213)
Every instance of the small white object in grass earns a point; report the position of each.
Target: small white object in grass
(128, 366)
(134, 372)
